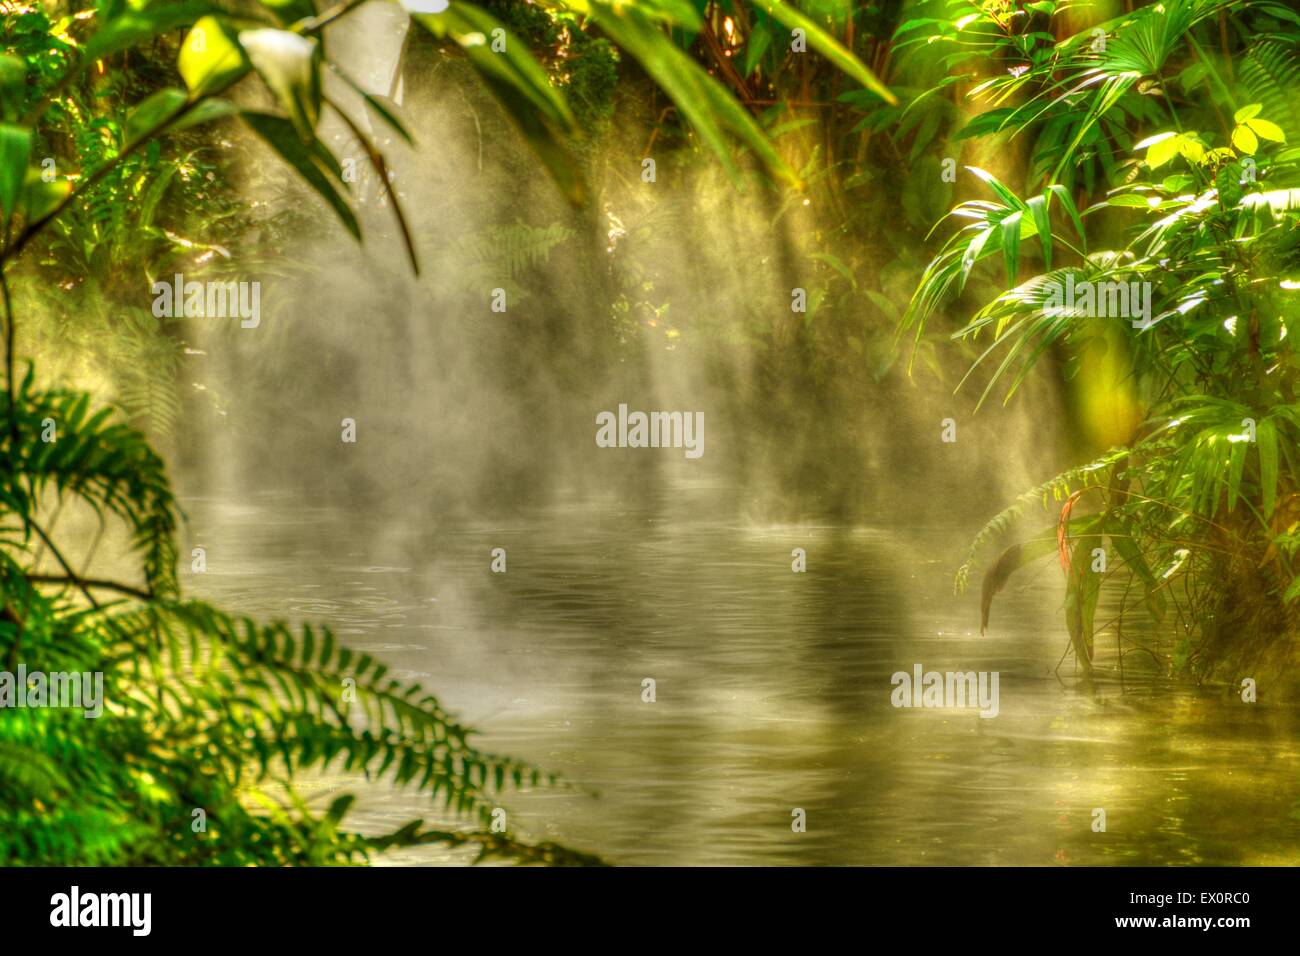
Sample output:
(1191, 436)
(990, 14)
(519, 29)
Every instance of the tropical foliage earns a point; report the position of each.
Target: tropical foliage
(1161, 162)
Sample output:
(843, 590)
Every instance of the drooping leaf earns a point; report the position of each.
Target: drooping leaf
(15, 150)
(827, 46)
(289, 63)
(311, 161)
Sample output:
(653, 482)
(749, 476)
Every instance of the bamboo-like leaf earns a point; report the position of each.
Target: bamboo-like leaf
(1043, 226)
(1011, 246)
(312, 162)
(711, 110)
(827, 46)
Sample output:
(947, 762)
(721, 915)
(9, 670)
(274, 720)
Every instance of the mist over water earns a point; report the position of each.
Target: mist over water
(474, 411)
(476, 430)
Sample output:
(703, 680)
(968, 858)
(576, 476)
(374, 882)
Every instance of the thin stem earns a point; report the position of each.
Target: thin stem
(84, 583)
(9, 360)
(67, 568)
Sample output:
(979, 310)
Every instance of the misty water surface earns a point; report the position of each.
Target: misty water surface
(773, 688)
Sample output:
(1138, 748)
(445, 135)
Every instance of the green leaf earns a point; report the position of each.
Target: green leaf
(758, 42)
(1236, 467)
(474, 31)
(384, 107)
(1248, 112)
(1081, 604)
(827, 46)
(13, 85)
(135, 26)
(1003, 193)
(289, 63)
(1011, 246)
(312, 161)
(710, 109)
(1132, 200)
(1266, 442)
(153, 112)
(208, 111)
(1163, 150)
(15, 150)
(1011, 560)
(1042, 223)
(554, 155)
(210, 58)
(1066, 200)
(40, 198)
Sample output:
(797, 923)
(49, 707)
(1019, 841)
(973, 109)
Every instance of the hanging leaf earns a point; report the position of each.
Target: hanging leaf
(15, 149)
(312, 161)
(475, 31)
(289, 63)
(1011, 560)
(827, 46)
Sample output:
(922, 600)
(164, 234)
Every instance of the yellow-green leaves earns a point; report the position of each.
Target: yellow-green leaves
(1251, 129)
(1163, 147)
(289, 63)
(211, 57)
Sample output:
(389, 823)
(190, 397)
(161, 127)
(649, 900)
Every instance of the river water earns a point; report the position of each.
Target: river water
(772, 689)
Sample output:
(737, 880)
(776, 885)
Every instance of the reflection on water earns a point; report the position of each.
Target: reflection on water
(773, 690)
